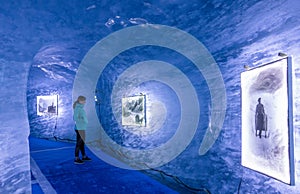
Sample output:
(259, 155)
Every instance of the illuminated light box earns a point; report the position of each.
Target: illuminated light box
(47, 105)
(267, 120)
(133, 111)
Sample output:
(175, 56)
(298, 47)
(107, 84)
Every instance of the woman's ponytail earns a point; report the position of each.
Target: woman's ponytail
(80, 98)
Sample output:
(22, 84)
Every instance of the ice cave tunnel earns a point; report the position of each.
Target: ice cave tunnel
(181, 96)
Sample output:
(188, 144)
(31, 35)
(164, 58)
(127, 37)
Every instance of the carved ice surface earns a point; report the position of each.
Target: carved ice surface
(42, 45)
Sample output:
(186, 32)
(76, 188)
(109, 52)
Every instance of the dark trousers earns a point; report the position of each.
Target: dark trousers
(80, 138)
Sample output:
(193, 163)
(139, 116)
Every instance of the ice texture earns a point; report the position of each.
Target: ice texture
(43, 44)
(52, 73)
(14, 163)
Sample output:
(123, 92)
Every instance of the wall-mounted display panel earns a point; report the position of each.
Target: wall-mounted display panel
(47, 105)
(133, 110)
(267, 120)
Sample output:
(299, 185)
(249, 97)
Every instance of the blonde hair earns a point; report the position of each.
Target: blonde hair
(80, 98)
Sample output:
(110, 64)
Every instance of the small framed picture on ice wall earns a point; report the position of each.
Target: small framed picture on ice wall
(47, 105)
(267, 120)
(133, 111)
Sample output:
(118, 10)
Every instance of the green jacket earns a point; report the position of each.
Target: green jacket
(80, 117)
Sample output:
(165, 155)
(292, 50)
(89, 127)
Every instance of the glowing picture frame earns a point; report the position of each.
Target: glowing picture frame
(47, 105)
(133, 111)
(267, 120)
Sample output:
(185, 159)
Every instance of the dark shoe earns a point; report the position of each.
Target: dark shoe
(78, 161)
(86, 159)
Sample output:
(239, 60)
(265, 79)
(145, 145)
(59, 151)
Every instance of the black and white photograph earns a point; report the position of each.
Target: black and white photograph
(266, 133)
(133, 111)
(46, 105)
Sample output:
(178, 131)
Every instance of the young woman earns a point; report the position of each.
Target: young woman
(81, 122)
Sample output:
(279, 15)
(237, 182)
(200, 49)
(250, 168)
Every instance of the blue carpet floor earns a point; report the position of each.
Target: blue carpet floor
(53, 171)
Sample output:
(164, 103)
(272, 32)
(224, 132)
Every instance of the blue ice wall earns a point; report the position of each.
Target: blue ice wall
(14, 164)
(43, 44)
(52, 73)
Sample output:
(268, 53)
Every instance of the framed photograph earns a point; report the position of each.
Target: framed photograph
(133, 111)
(267, 120)
(47, 105)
